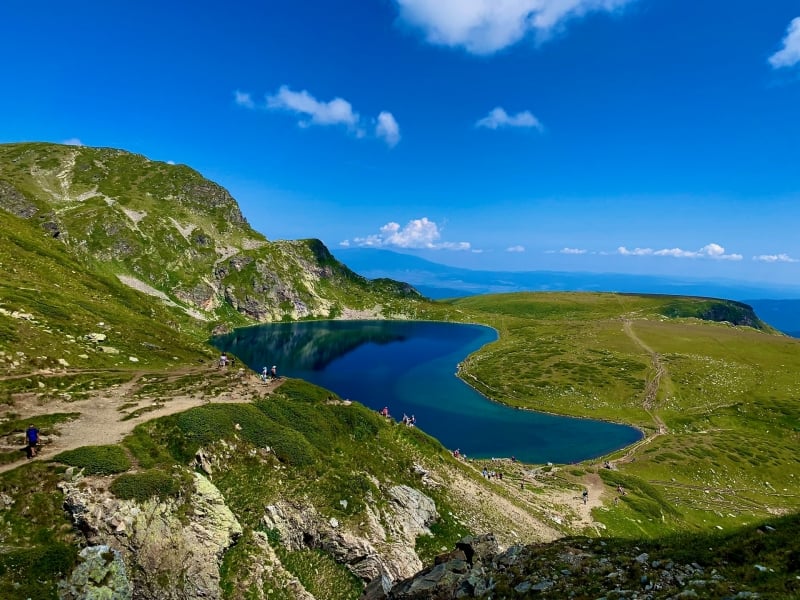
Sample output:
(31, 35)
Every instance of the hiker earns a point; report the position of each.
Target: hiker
(223, 360)
(405, 419)
(412, 421)
(264, 374)
(585, 496)
(274, 372)
(456, 453)
(32, 440)
(385, 412)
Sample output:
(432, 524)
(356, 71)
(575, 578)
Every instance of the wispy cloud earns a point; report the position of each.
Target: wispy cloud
(516, 248)
(72, 142)
(712, 251)
(498, 117)
(789, 54)
(486, 26)
(417, 233)
(312, 111)
(388, 129)
(243, 99)
(572, 251)
(775, 258)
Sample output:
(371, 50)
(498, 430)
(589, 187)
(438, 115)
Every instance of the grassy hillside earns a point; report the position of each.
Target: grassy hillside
(182, 236)
(719, 402)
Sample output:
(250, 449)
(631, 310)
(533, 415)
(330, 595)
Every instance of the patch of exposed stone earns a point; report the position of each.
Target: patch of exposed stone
(568, 568)
(172, 548)
(384, 546)
(141, 286)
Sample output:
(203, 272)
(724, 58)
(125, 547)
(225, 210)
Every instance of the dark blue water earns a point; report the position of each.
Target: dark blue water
(410, 367)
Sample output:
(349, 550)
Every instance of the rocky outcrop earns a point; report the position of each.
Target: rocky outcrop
(383, 548)
(172, 548)
(100, 574)
(462, 573)
(567, 568)
(13, 201)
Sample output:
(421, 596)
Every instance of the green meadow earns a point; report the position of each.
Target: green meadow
(724, 396)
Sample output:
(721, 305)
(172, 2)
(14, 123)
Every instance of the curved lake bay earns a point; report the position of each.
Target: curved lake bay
(409, 366)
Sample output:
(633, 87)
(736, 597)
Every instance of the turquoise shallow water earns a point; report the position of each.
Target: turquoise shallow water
(410, 367)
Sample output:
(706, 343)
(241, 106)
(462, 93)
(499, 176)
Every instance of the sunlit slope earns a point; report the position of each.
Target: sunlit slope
(55, 314)
(122, 215)
(718, 401)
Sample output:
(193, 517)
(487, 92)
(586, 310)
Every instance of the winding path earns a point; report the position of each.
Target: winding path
(650, 402)
(110, 414)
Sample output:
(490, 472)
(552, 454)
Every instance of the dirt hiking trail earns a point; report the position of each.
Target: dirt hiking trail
(108, 415)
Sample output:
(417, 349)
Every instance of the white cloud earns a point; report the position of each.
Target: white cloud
(498, 117)
(572, 251)
(773, 258)
(516, 248)
(418, 233)
(335, 112)
(388, 129)
(72, 142)
(317, 112)
(713, 251)
(789, 55)
(170, 162)
(486, 26)
(635, 252)
(243, 99)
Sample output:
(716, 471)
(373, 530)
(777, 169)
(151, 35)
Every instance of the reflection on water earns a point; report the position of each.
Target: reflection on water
(303, 347)
(410, 367)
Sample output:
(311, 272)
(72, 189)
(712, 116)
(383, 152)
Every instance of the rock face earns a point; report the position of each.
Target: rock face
(168, 556)
(384, 549)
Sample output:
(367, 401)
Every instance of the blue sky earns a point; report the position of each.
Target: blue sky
(636, 136)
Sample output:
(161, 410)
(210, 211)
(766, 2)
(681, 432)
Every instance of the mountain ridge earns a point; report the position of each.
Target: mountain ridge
(181, 234)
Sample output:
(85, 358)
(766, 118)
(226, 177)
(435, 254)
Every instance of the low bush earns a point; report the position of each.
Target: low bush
(96, 460)
(152, 483)
(206, 424)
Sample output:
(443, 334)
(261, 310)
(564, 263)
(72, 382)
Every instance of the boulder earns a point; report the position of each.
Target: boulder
(100, 573)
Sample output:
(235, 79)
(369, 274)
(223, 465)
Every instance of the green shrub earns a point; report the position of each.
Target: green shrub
(148, 484)
(34, 572)
(206, 424)
(96, 460)
(321, 575)
(147, 452)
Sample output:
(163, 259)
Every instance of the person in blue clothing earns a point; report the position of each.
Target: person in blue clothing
(32, 440)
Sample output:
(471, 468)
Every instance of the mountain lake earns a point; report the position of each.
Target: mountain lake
(410, 367)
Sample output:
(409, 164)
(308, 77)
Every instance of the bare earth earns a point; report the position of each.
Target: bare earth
(101, 415)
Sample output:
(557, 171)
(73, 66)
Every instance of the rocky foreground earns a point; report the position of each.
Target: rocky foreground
(593, 568)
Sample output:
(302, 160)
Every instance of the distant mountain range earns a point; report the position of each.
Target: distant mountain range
(778, 305)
